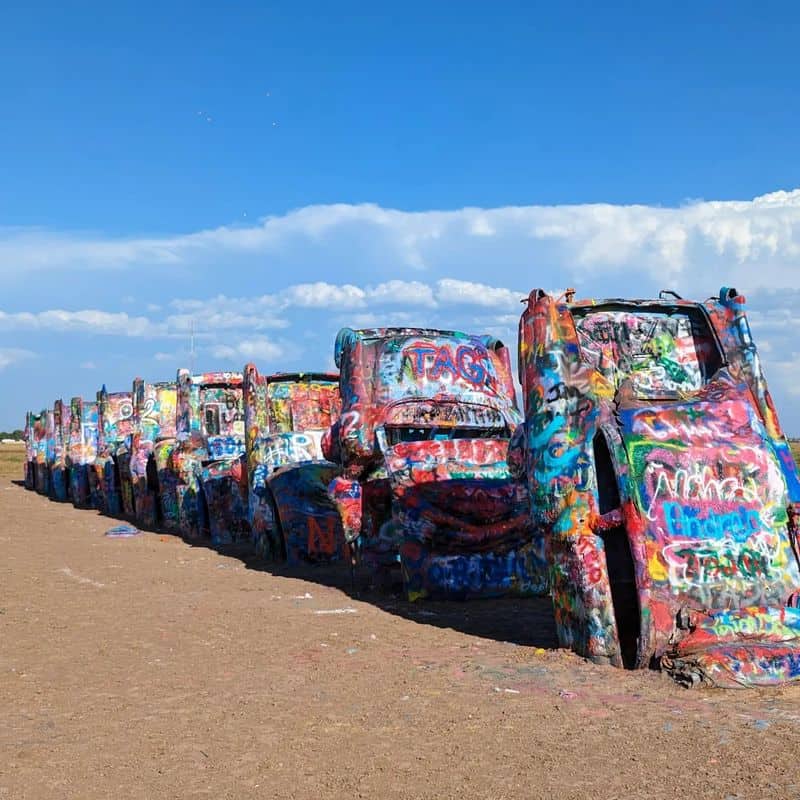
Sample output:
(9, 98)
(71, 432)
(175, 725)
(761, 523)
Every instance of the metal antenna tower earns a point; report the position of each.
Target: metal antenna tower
(191, 346)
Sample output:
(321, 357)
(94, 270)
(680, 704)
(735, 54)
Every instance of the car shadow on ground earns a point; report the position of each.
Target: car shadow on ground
(523, 621)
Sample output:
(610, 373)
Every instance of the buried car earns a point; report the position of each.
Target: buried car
(659, 473)
(291, 513)
(210, 495)
(59, 474)
(30, 460)
(153, 484)
(82, 451)
(114, 428)
(38, 449)
(422, 440)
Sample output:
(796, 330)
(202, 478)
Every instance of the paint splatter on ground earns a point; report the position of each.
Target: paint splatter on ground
(181, 680)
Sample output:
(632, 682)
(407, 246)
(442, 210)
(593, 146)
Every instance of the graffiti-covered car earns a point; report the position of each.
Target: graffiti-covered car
(210, 493)
(59, 474)
(30, 458)
(82, 451)
(661, 478)
(114, 429)
(292, 515)
(423, 439)
(42, 424)
(152, 443)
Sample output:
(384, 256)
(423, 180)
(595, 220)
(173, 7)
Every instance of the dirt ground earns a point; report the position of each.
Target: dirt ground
(148, 668)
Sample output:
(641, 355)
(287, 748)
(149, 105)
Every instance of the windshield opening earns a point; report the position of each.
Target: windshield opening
(223, 411)
(664, 352)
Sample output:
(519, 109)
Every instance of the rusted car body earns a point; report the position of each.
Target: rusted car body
(664, 485)
(114, 429)
(152, 443)
(59, 474)
(423, 439)
(210, 493)
(292, 516)
(82, 451)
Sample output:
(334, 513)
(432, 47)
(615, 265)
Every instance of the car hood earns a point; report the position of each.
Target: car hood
(708, 499)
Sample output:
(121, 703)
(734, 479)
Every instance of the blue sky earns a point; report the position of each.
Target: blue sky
(271, 173)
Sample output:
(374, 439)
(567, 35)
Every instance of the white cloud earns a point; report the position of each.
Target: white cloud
(91, 320)
(88, 365)
(449, 290)
(411, 293)
(322, 295)
(245, 349)
(209, 319)
(302, 274)
(588, 240)
(12, 355)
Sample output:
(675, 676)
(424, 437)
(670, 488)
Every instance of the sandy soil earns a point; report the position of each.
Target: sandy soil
(147, 668)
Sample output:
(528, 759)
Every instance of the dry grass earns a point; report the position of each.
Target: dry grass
(12, 457)
(795, 446)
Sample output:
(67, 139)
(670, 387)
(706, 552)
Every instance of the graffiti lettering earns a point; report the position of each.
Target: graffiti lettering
(225, 446)
(697, 522)
(589, 555)
(321, 540)
(468, 363)
(149, 412)
(712, 564)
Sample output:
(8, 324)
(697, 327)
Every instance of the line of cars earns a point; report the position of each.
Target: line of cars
(648, 486)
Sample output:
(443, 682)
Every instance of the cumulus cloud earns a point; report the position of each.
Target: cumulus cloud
(303, 274)
(246, 349)
(90, 320)
(413, 293)
(449, 290)
(321, 295)
(662, 243)
(209, 318)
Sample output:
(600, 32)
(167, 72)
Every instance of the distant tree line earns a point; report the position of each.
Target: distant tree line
(18, 435)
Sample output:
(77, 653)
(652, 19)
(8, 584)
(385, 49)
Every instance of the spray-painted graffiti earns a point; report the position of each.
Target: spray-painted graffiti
(152, 443)
(59, 473)
(82, 452)
(114, 432)
(206, 483)
(657, 480)
(292, 514)
(433, 362)
(39, 430)
(29, 468)
(424, 431)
